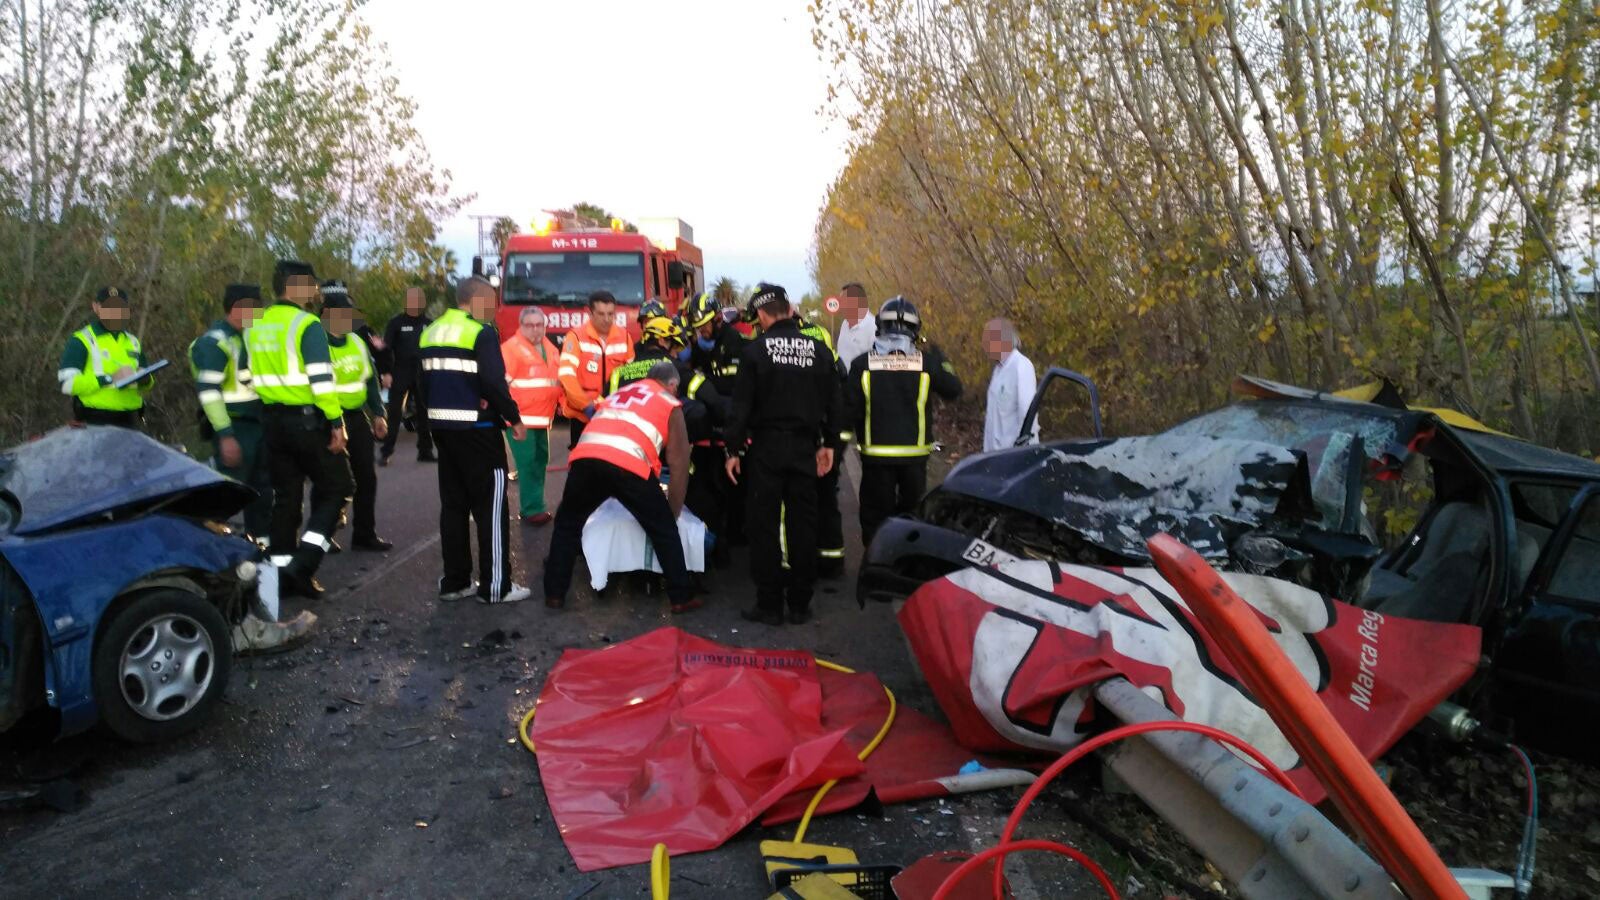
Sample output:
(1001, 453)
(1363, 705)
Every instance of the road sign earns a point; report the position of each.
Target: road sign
(831, 304)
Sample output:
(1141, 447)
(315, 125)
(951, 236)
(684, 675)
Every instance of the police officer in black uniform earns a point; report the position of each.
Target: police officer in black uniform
(400, 339)
(781, 439)
(887, 398)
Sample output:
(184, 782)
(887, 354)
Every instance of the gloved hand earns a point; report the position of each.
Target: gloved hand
(588, 411)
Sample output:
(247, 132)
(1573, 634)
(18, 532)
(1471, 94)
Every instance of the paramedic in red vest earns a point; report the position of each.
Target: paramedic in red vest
(588, 355)
(619, 455)
(464, 394)
(531, 362)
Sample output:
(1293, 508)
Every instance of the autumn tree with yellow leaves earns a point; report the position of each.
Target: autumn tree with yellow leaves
(1164, 194)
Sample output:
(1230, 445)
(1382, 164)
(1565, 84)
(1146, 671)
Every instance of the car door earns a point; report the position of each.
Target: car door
(1547, 670)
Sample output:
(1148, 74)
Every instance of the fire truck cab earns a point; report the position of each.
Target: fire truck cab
(563, 261)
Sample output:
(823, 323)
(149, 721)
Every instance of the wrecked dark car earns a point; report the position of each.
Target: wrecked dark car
(1418, 513)
(119, 589)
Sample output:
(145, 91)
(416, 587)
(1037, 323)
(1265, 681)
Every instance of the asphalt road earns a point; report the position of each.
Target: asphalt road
(380, 759)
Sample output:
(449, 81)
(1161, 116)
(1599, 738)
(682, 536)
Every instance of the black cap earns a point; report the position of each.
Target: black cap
(764, 295)
(289, 268)
(110, 292)
(234, 294)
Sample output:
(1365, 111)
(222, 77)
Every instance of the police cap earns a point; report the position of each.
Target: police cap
(111, 293)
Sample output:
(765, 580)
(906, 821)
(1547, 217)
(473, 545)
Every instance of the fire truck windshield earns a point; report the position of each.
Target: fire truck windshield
(569, 278)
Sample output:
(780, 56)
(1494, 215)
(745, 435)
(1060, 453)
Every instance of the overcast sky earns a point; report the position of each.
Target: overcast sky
(702, 109)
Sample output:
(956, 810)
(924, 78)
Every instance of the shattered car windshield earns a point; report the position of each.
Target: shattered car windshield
(1326, 437)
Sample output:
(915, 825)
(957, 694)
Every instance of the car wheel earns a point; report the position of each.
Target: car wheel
(160, 665)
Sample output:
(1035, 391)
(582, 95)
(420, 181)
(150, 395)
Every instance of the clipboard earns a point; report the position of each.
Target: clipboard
(151, 369)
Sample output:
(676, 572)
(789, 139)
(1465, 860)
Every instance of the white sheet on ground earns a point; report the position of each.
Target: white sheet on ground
(614, 542)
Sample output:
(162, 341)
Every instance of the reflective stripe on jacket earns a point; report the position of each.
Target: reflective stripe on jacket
(587, 361)
(629, 429)
(533, 380)
(105, 353)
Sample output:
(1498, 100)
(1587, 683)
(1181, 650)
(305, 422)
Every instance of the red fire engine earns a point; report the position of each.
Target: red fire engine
(564, 260)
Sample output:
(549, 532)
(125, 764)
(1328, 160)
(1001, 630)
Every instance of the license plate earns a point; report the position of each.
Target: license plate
(984, 554)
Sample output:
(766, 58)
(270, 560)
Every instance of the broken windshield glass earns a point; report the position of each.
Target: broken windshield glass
(1326, 437)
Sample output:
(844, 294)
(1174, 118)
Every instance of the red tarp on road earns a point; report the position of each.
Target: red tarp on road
(673, 738)
(1012, 655)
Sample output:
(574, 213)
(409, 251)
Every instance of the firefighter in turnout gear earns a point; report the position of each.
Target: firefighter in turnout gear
(781, 439)
(588, 357)
(96, 356)
(620, 455)
(830, 525)
(887, 394)
(230, 410)
(292, 371)
(715, 347)
(355, 379)
(468, 402)
(659, 339)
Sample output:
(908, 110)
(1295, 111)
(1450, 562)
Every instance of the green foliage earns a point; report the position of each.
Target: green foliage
(174, 148)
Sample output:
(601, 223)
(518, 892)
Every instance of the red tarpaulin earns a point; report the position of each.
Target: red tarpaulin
(673, 738)
(1012, 655)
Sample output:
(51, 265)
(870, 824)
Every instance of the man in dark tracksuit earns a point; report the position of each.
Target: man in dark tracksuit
(232, 411)
(468, 404)
(400, 339)
(786, 406)
(886, 395)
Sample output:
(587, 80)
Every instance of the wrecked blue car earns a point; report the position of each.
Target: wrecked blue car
(119, 587)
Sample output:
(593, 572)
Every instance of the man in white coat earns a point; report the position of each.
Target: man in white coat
(1011, 387)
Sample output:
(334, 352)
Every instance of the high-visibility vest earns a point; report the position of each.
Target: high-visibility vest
(277, 372)
(629, 429)
(533, 380)
(232, 384)
(586, 364)
(108, 352)
(450, 371)
(894, 430)
(352, 367)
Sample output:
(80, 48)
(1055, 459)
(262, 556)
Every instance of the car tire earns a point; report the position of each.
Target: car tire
(161, 664)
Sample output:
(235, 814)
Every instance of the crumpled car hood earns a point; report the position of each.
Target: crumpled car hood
(74, 475)
(1118, 494)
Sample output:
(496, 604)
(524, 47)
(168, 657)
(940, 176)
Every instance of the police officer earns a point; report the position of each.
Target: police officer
(292, 371)
(355, 379)
(468, 402)
(400, 337)
(781, 440)
(231, 411)
(887, 395)
(96, 356)
(620, 455)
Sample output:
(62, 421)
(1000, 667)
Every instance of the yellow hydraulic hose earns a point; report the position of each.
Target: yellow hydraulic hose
(660, 862)
(816, 799)
(660, 873)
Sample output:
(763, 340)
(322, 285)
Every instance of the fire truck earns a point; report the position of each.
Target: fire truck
(565, 259)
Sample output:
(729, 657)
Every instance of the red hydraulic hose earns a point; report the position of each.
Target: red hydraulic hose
(1117, 734)
(1328, 752)
(1003, 850)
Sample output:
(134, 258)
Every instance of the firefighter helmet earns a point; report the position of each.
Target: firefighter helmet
(701, 311)
(651, 309)
(899, 316)
(662, 327)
